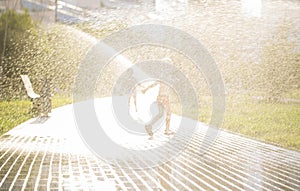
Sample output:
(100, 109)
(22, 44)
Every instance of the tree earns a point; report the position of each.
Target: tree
(16, 31)
(28, 48)
(14, 28)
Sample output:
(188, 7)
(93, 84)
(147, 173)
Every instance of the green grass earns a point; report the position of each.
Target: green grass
(276, 123)
(15, 112)
(295, 94)
(60, 100)
(12, 113)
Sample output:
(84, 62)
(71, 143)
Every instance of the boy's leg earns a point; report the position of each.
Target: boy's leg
(166, 103)
(149, 130)
(168, 119)
(160, 114)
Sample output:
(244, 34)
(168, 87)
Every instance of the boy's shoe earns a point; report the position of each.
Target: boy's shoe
(168, 132)
(149, 130)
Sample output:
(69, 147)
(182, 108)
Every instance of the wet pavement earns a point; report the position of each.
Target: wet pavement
(48, 154)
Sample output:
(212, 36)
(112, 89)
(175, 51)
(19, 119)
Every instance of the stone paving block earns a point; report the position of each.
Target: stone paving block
(233, 163)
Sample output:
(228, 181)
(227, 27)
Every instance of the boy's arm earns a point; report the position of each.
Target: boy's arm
(134, 101)
(151, 86)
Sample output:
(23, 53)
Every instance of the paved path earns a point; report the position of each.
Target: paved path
(47, 154)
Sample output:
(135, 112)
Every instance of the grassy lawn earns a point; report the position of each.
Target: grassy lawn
(13, 113)
(276, 123)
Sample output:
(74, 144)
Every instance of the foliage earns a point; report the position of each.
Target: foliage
(62, 50)
(14, 27)
(279, 71)
(17, 31)
(53, 53)
(273, 71)
(101, 30)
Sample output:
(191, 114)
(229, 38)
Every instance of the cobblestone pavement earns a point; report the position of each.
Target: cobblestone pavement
(47, 154)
